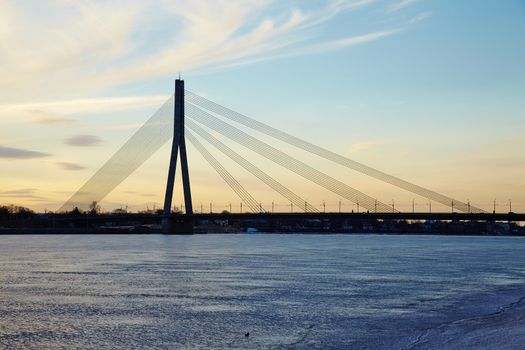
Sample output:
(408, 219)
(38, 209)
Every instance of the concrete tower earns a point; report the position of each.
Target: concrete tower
(179, 143)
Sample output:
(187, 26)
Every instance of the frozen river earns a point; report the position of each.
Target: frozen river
(287, 291)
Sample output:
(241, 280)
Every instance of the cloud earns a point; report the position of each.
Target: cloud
(233, 33)
(401, 4)
(47, 46)
(363, 146)
(354, 40)
(18, 153)
(20, 191)
(420, 17)
(70, 166)
(26, 193)
(320, 48)
(83, 140)
(141, 194)
(50, 112)
(97, 46)
(55, 121)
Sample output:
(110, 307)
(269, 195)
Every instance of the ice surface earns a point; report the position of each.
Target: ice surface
(288, 291)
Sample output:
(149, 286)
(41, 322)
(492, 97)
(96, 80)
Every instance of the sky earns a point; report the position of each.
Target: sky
(430, 91)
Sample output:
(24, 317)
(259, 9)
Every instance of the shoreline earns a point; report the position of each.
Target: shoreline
(117, 231)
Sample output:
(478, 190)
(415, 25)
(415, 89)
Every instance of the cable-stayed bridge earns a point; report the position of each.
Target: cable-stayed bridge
(186, 116)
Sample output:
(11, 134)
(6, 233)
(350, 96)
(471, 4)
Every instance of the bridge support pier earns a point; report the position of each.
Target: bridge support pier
(178, 224)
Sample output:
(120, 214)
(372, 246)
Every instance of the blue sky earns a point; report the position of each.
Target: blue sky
(431, 91)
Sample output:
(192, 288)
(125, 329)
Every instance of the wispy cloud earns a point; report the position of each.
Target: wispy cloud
(47, 46)
(353, 40)
(69, 166)
(83, 140)
(19, 153)
(320, 48)
(51, 112)
(401, 4)
(420, 17)
(20, 191)
(97, 46)
(24, 193)
(53, 121)
(363, 146)
(140, 194)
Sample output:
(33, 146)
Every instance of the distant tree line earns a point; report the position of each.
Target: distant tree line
(15, 212)
(10, 212)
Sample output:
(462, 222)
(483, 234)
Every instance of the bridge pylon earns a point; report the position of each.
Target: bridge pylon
(178, 145)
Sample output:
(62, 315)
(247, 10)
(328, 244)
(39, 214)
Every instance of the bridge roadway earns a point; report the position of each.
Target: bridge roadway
(155, 218)
(367, 216)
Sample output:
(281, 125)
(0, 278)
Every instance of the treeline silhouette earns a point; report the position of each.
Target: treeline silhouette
(15, 212)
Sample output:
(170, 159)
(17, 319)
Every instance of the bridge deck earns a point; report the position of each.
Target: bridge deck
(515, 217)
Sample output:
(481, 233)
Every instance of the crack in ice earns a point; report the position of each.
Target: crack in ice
(426, 331)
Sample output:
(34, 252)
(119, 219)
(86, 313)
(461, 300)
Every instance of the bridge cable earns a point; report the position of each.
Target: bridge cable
(284, 160)
(151, 136)
(261, 175)
(311, 174)
(226, 176)
(326, 154)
